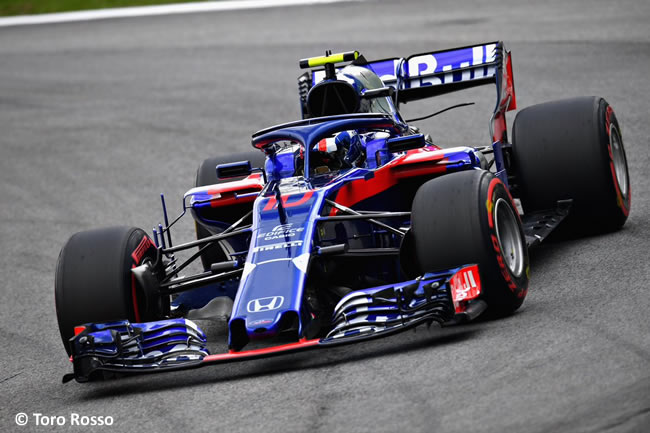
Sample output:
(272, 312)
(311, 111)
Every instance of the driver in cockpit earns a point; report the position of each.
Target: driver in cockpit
(344, 96)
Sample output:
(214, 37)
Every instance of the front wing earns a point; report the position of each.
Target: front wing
(122, 347)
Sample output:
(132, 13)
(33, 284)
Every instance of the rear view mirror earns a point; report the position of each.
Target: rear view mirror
(234, 169)
(378, 93)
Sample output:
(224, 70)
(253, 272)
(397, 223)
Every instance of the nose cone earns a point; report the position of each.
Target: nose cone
(269, 300)
(263, 316)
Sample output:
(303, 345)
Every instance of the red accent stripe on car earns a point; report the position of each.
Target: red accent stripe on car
(224, 193)
(256, 353)
(417, 162)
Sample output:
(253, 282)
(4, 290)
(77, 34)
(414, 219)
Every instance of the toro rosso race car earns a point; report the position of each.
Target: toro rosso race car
(347, 225)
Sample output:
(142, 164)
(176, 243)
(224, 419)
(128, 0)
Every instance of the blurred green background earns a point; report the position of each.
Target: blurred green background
(27, 7)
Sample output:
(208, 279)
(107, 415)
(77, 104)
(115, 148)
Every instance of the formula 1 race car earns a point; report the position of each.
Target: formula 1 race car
(348, 224)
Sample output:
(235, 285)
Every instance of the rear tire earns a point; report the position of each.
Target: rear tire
(94, 283)
(207, 175)
(572, 149)
(466, 218)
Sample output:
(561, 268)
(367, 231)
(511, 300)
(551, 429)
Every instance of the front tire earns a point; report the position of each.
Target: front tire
(94, 283)
(573, 149)
(469, 217)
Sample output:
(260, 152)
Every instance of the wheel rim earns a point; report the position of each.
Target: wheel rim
(509, 237)
(619, 160)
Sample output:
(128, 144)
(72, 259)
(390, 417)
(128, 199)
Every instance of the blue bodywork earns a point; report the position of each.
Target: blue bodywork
(294, 209)
(272, 286)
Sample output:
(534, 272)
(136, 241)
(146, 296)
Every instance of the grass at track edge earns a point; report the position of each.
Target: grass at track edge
(31, 7)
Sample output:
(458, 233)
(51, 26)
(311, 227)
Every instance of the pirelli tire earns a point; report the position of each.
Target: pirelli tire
(94, 283)
(206, 174)
(469, 217)
(573, 149)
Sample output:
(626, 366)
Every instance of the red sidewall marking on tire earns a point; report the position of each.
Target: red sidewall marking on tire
(620, 201)
(137, 256)
(489, 204)
(141, 249)
(134, 297)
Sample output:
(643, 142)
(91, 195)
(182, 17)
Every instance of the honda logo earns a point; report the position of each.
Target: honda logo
(265, 304)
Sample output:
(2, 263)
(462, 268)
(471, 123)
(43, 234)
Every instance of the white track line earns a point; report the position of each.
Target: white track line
(181, 8)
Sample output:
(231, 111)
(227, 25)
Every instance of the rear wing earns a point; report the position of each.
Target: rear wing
(426, 75)
(431, 74)
(436, 73)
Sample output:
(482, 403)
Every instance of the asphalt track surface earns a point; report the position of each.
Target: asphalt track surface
(96, 119)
